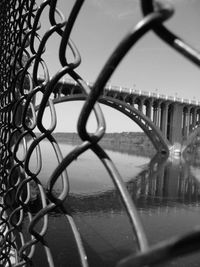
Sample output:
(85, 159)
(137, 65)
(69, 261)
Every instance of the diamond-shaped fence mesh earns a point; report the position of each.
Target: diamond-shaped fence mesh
(26, 236)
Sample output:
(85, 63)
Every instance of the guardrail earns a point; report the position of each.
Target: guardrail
(131, 91)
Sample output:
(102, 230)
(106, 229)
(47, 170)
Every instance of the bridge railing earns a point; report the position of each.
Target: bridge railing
(131, 91)
(24, 226)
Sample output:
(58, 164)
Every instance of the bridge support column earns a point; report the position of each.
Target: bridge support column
(176, 124)
(164, 118)
(184, 127)
(188, 122)
(148, 111)
(158, 123)
(140, 105)
(155, 115)
(198, 116)
(149, 104)
(194, 120)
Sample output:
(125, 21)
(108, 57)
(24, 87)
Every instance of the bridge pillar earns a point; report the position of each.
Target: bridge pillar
(198, 116)
(188, 122)
(164, 118)
(148, 110)
(175, 124)
(185, 117)
(154, 114)
(140, 105)
(148, 103)
(156, 111)
(194, 120)
(158, 115)
(139, 102)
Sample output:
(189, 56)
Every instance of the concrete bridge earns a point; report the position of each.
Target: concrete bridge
(171, 123)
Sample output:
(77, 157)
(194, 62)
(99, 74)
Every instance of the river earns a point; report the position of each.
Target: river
(166, 194)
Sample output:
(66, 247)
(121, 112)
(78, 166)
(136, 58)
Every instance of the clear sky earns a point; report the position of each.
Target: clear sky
(151, 65)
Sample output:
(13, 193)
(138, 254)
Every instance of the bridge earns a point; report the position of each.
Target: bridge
(30, 234)
(171, 123)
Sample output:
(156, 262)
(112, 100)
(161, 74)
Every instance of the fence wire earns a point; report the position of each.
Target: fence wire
(22, 53)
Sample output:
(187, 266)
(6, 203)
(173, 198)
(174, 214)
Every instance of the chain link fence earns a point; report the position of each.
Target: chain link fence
(24, 231)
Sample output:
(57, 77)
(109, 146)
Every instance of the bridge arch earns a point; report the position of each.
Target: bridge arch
(174, 117)
(155, 135)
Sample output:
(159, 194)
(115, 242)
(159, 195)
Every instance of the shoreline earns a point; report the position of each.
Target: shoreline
(136, 143)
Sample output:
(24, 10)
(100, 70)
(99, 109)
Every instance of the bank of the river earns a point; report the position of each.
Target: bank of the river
(129, 142)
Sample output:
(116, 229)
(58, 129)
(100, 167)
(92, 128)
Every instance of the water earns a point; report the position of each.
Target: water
(166, 193)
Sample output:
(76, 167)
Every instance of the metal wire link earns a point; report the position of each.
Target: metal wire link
(22, 53)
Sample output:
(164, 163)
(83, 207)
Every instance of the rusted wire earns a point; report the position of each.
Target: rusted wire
(22, 53)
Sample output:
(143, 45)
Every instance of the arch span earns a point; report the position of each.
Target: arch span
(152, 131)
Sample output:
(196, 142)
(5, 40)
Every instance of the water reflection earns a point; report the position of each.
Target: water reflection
(166, 193)
(165, 182)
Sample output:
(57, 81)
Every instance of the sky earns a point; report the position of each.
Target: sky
(150, 65)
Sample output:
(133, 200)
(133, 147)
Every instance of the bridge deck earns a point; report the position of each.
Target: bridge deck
(132, 91)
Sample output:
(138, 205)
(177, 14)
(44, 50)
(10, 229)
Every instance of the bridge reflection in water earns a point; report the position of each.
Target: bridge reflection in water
(165, 182)
(167, 195)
